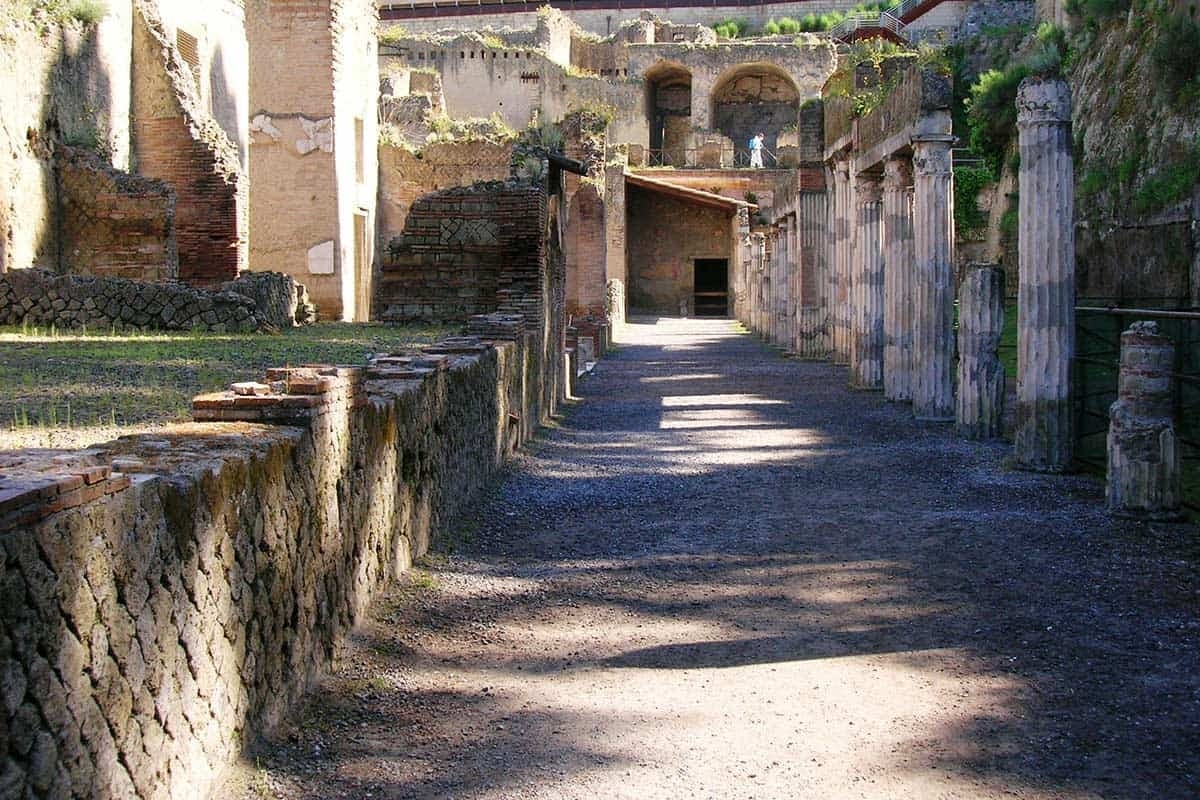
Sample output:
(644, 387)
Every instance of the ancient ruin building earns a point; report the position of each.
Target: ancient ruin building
(313, 163)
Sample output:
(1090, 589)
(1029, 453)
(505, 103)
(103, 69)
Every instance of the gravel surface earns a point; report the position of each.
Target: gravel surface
(726, 575)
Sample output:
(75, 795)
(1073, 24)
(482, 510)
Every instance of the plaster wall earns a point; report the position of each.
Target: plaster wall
(666, 235)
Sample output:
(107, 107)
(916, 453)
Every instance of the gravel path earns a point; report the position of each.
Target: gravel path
(727, 576)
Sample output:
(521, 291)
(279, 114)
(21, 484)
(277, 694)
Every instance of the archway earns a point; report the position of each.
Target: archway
(752, 98)
(669, 113)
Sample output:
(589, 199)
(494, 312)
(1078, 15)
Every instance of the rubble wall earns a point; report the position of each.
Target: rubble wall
(167, 598)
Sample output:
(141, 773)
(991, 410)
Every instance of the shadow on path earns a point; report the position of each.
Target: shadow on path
(727, 575)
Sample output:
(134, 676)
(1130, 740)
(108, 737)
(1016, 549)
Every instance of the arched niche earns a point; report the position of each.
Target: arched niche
(669, 112)
(754, 97)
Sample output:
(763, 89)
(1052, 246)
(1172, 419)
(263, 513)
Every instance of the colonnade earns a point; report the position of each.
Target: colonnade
(863, 274)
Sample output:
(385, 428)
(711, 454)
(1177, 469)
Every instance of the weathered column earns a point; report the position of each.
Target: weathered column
(897, 279)
(980, 373)
(866, 359)
(841, 277)
(811, 312)
(829, 283)
(1046, 290)
(933, 279)
(1143, 450)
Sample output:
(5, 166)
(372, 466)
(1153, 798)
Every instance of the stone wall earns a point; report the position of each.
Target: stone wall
(114, 224)
(666, 235)
(165, 599)
(255, 301)
(464, 251)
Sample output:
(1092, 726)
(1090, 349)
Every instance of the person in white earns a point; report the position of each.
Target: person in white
(756, 150)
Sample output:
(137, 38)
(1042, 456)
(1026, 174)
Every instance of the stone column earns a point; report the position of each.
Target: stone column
(1046, 290)
(841, 277)
(866, 359)
(897, 279)
(933, 279)
(811, 309)
(1143, 450)
(829, 283)
(980, 373)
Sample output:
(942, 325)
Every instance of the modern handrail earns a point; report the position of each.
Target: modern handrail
(873, 20)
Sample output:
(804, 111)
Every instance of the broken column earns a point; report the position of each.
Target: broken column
(866, 359)
(980, 373)
(839, 315)
(1046, 289)
(897, 279)
(933, 279)
(1143, 450)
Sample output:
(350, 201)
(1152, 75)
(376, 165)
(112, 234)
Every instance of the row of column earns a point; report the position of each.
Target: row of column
(890, 291)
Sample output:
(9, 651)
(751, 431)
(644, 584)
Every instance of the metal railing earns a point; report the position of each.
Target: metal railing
(845, 30)
(1095, 371)
(700, 158)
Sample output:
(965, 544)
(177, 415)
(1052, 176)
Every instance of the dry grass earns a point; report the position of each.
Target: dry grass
(72, 389)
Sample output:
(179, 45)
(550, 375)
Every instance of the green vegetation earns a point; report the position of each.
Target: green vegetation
(87, 12)
(392, 34)
(732, 28)
(968, 183)
(1173, 183)
(51, 378)
(493, 129)
(1176, 56)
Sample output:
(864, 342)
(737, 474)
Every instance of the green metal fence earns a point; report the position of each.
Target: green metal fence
(1097, 356)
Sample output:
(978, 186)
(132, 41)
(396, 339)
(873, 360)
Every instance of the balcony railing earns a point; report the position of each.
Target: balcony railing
(701, 158)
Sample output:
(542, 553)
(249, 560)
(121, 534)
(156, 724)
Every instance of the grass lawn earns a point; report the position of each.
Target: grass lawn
(72, 389)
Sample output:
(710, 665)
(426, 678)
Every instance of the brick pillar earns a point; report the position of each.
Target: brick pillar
(866, 359)
(1046, 291)
(897, 279)
(980, 406)
(933, 285)
(1143, 449)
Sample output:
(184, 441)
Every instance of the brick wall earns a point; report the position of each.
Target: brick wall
(113, 224)
(665, 237)
(404, 177)
(466, 250)
(175, 142)
(586, 252)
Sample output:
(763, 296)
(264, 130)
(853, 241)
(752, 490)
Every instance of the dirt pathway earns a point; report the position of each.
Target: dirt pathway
(727, 576)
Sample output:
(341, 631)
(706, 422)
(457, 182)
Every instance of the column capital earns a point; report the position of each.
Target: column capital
(897, 173)
(1042, 101)
(931, 156)
(869, 187)
(841, 168)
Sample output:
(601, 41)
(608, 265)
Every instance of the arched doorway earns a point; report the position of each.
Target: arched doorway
(669, 112)
(751, 98)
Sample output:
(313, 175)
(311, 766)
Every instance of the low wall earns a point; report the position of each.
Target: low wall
(255, 301)
(164, 599)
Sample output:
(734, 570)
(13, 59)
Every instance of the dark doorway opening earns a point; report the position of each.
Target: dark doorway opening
(711, 292)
